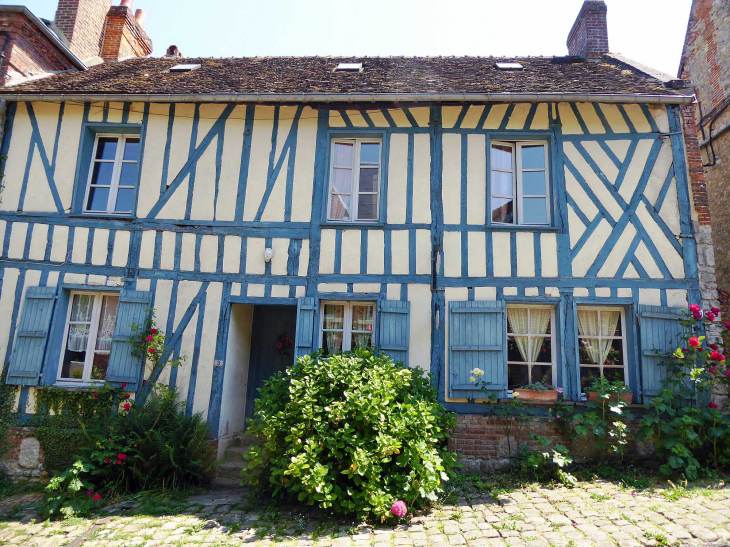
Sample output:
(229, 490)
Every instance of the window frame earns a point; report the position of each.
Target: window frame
(517, 183)
(357, 142)
(85, 379)
(118, 163)
(624, 339)
(528, 363)
(347, 321)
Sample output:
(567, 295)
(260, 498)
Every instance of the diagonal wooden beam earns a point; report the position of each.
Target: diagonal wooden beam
(47, 167)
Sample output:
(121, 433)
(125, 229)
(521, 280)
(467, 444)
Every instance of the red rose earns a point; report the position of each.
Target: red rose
(712, 405)
(95, 396)
(721, 358)
(106, 460)
(119, 463)
(153, 331)
(127, 406)
(710, 316)
(716, 311)
(89, 492)
(97, 497)
(713, 346)
(715, 356)
(697, 314)
(126, 395)
(694, 307)
(124, 384)
(151, 349)
(713, 371)
(149, 339)
(694, 342)
(727, 326)
(121, 456)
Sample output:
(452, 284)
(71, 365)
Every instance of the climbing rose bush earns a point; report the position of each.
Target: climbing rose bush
(353, 433)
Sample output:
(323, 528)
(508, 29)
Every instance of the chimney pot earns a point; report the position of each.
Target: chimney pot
(128, 4)
(173, 51)
(589, 35)
(140, 16)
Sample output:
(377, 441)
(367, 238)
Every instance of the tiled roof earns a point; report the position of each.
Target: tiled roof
(277, 75)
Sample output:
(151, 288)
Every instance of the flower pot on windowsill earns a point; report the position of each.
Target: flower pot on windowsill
(549, 395)
(628, 398)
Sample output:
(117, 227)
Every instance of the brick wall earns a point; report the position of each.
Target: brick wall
(24, 460)
(589, 35)
(27, 52)
(82, 22)
(124, 37)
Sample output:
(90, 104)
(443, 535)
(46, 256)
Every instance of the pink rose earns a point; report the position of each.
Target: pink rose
(694, 342)
(697, 314)
(710, 316)
(694, 307)
(713, 371)
(89, 492)
(121, 456)
(716, 311)
(399, 509)
(149, 339)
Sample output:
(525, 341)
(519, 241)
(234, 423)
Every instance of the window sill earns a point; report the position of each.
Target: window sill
(77, 386)
(521, 228)
(354, 225)
(104, 216)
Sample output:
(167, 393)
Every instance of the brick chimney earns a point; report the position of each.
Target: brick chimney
(82, 23)
(589, 35)
(125, 36)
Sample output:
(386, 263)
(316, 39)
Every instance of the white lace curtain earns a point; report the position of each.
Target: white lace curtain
(588, 326)
(539, 322)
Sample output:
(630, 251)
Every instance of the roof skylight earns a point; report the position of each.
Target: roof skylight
(184, 68)
(349, 67)
(509, 66)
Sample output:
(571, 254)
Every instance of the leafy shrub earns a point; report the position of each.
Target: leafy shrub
(351, 433)
(547, 462)
(69, 495)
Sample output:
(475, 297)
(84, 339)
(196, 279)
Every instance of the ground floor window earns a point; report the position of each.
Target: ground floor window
(87, 339)
(602, 344)
(530, 346)
(346, 326)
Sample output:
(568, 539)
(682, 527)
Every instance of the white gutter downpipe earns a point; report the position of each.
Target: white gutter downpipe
(352, 97)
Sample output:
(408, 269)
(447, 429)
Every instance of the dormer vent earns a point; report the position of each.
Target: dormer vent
(509, 66)
(349, 67)
(184, 68)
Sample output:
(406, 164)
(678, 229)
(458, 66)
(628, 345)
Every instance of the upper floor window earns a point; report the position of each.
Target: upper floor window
(354, 192)
(113, 175)
(601, 344)
(346, 326)
(520, 183)
(88, 336)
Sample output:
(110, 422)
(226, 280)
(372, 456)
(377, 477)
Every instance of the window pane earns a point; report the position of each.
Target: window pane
(517, 376)
(99, 366)
(360, 340)
(367, 207)
(614, 374)
(343, 154)
(107, 321)
(501, 157)
(614, 352)
(340, 207)
(129, 175)
(125, 200)
(334, 316)
(502, 210)
(98, 198)
(75, 354)
(517, 349)
(589, 351)
(369, 179)
(533, 183)
(81, 308)
(587, 376)
(587, 322)
(533, 157)
(342, 181)
(502, 184)
(102, 174)
(535, 210)
(542, 374)
(610, 323)
(131, 150)
(370, 153)
(543, 353)
(362, 318)
(106, 148)
(331, 342)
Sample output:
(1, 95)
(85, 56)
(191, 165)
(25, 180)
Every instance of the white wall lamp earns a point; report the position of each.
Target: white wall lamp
(268, 254)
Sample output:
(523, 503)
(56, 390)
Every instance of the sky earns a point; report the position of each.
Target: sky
(649, 31)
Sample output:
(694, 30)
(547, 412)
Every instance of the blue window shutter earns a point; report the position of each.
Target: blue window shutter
(30, 344)
(304, 339)
(123, 366)
(476, 340)
(394, 329)
(662, 331)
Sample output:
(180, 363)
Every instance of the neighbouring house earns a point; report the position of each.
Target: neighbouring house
(706, 63)
(532, 217)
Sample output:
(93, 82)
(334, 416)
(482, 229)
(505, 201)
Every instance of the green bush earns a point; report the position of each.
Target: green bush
(351, 433)
(69, 495)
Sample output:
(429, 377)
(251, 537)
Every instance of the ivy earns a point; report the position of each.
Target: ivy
(8, 414)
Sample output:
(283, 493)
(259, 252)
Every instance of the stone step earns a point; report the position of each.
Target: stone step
(230, 470)
(236, 453)
(242, 440)
(227, 482)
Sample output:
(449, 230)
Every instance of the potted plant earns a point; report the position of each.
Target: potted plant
(536, 392)
(601, 388)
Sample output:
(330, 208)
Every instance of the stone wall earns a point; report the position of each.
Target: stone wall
(24, 460)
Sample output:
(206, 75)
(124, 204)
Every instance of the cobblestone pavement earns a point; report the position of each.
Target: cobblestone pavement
(597, 513)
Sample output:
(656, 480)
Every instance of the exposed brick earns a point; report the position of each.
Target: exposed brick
(589, 35)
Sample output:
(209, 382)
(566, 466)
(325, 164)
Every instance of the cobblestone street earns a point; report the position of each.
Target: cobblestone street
(596, 513)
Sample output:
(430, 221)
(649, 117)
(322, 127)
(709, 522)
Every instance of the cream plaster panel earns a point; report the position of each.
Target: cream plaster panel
(47, 118)
(182, 130)
(549, 254)
(203, 204)
(593, 181)
(421, 179)
(660, 117)
(112, 281)
(187, 348)
(136, 112)
(672, 258)
(304, 167)
(453, 294)
(618, 252)
(370, 288)
(38, 196)
(519, 116)
(187, 252)
(451, 177)
(392, 291)
(232, 254)
(575, 190)
(650, 297)
(614, 118)
(541, 120)
(208, 341)
(419, 350)
(81, 238)
(115, 112)
(67, 154)
(356, 118)
(376, 252)
(256, 290)
(255, 255)
(59, 243)
(96, 112)
(580, 292)
(532, 291)
(3, 227)
(208, 253)
(452, 254)
(397, 179)
(304, 258)
(631, 272)
(332, 287)
(163, 296)
(510, 291)
(449, 115)
(525, 254)
(235, 289)
(259, 163)
(327, 252)
(423, 252)
(635, 170)
(646, 260)
(209, 115)
(670, 209)
(472, 116)
(637, 117)
(18, 235)
(154, 155)
(660, 172)
(501, 254)
(422, 115)
(16, 161)
(588, 253)
(477, 254)
(399, 117)
(147, 249)
(7, 300)
(568, 120)
(177, 204)
(120, 255)
(225, 206)
(378, 119)
(552, 292)
(280, 291)
(274, 210)
(625, 293)
(336, 119)
(604, 163)
(620, 148)
(142, 284)
(39, 240)
(677, 298)
(78, 279)
(495, 117)
(399, 248)
(603, 292)
(300, 291)
(280, 246)
(590, 118)
(485, 293)
(350, 253)
(476, 185)
(99, 246)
